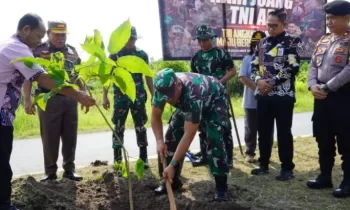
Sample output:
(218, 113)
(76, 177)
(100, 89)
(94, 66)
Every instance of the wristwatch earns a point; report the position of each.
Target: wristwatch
(325, 88)
(173, 163)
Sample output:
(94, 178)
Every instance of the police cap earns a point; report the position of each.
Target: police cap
(58, 27)
(337, 7)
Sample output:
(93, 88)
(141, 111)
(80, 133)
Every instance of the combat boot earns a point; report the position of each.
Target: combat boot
(221, 191)
(177, 183)
(118, 155)
(144, 156)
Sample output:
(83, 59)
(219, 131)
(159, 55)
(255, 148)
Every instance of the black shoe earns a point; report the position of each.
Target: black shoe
(200, 162)
(72, 176)
(320, 183)
(12, 208)
(343, 191)
(260, 170)
(49, 177)
(230, 164)
(285, 175)
(221, 195)
(177, 184)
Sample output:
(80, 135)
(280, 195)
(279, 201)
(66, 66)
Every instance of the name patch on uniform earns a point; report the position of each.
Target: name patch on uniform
(338, 59)
(318, 60)
(320, 50)
(325, 40)
(280, 52)
(339, 50)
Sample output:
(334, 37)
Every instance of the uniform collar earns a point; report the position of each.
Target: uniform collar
(52, 48)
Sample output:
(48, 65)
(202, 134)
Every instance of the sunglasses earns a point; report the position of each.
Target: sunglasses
(273, 26)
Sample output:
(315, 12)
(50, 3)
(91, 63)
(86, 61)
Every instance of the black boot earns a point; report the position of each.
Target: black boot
(221, 192)
(144, 156)
(321, 182)
(177, 183)
(118, 155)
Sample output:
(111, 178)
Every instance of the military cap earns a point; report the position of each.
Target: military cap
(58, 27)
(204, 31)
(337, 7)
(258, 35)
(134, 33)
(164, 84)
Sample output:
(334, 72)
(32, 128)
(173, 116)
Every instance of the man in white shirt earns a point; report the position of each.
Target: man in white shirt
(30, 31)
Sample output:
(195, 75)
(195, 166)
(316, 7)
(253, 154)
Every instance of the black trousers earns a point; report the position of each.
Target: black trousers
(280, 109)
(331, 125)
(6, 140)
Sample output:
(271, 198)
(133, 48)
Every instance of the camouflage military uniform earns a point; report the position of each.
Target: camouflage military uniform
(214, 63)
(202, 101)
(122, 104)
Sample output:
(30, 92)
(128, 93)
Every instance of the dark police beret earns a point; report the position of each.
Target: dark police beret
(337, 7)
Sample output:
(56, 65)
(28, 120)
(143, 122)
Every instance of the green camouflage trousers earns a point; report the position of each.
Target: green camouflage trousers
(122, 104)
(227, 138)
(214, 141)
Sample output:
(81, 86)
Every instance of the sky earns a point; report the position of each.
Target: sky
(83, 16)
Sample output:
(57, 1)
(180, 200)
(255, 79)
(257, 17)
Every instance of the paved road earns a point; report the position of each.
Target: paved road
(27, 156)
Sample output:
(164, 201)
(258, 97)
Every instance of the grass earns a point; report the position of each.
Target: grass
(27, 126)
(260, 192)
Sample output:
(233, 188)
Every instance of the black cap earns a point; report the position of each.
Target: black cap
(337, 7)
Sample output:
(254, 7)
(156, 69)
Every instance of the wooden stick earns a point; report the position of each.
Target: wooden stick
(170, 191)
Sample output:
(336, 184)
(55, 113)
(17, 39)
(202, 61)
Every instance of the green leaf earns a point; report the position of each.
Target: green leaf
(28, 64)
(89, 40)
(134, 64)
(39, 100)
(94, 50)
(124, 80)
(110, 62)
(30, 61)
(120, 167)
(139, 168)
(98, 39)
(119, 37)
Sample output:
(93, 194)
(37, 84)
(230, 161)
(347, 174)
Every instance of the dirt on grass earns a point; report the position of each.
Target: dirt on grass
(103, 189)
(110, 192)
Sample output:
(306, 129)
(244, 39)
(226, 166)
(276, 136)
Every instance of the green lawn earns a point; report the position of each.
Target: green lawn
(27, 126)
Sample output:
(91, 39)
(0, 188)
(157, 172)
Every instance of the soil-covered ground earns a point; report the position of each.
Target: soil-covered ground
(103, 189)
(111, 192)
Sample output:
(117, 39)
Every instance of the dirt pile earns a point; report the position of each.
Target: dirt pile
(111, 192)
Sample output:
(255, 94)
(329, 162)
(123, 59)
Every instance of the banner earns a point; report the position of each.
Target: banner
(234, 22)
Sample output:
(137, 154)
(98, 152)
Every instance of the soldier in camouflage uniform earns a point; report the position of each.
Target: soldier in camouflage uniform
(201, 100)
(122, 103)
(216, 62)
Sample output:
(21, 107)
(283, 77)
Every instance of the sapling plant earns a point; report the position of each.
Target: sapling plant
(99, 67)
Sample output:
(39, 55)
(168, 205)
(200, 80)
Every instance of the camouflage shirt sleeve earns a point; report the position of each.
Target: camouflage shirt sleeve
(293, 62)
(193, 64)
(227, 61)
(193, 112)
(157, 101)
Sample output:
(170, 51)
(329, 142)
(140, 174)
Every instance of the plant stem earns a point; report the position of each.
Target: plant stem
(123, 149)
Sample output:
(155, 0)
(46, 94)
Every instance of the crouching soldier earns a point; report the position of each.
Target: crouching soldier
(201, 99)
